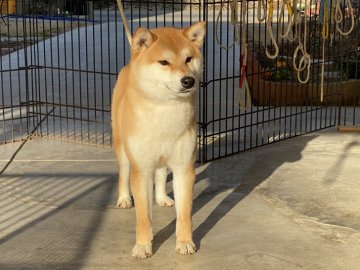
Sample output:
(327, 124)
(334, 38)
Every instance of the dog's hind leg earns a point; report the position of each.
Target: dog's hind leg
(124, 199)
(142, 188)
(160, 188)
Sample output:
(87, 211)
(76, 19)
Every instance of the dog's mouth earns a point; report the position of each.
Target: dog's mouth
(186, 92)
(182, 93)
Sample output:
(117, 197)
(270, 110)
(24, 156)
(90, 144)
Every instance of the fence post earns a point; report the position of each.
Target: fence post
(89, 9)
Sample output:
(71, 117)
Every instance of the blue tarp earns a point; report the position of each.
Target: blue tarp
(53, 18)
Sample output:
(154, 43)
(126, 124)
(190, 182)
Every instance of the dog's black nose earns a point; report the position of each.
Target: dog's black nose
(187, 82)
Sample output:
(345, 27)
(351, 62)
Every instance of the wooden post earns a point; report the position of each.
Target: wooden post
(348, 128)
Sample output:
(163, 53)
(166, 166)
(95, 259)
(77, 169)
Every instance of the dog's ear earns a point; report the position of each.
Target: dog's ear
(196, 33)
(142, 39)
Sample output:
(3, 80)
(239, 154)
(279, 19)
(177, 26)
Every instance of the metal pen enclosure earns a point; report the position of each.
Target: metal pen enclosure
(58, 71)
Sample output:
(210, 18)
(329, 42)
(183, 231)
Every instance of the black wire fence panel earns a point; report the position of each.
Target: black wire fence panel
(59, 62)
(282, 107)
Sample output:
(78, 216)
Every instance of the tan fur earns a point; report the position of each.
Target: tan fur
(154, 128)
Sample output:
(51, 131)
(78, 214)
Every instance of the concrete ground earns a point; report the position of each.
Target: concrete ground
(289, 205)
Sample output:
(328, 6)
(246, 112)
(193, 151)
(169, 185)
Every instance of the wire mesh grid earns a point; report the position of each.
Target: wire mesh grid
(60, 67)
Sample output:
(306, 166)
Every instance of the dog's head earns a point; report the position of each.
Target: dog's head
(168, 61)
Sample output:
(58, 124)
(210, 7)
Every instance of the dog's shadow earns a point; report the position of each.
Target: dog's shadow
(239, 175)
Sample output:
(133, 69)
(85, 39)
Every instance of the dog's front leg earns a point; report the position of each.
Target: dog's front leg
(184, 178)
(142, 189)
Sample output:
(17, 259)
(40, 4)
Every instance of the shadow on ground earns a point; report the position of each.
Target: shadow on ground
(334, 171)
(48, 221)
(238, 175)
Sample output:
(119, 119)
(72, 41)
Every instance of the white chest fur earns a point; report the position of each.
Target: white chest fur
(168, 121)
(163, 131)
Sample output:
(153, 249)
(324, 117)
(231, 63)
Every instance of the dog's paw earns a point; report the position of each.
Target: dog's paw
(165, 201)
(124, 202)
(185, 248)
(142, 251)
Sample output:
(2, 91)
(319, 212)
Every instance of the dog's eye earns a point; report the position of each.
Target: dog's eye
(188, 59)
(164, 63)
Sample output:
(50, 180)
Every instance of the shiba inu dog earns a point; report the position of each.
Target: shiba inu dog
(154, 128)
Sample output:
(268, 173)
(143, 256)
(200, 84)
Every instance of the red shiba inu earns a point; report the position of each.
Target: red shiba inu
(154, 128)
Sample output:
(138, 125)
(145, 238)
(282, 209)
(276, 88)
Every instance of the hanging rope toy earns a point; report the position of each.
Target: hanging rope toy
(305, 59)
(243, 84)
(261, 8)
(270, 31)
(124, 21)
(294, 18)
(234, 22)
(339, 17)
(324, 18)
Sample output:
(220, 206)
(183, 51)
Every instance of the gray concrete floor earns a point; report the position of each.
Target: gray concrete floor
(289, 205)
